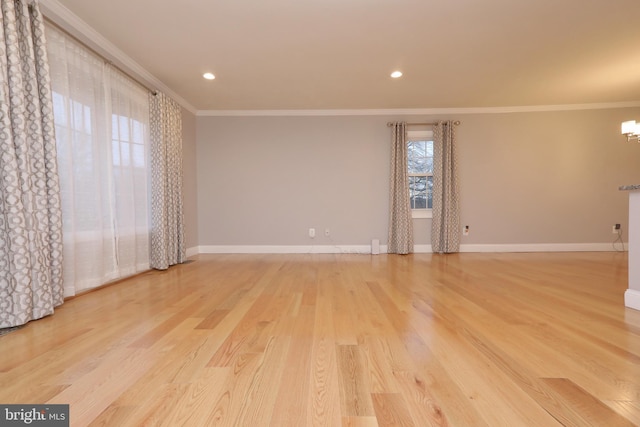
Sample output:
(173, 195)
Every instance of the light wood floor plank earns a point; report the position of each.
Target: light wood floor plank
(629, 410)
(581, 407)
(259, 399)
(355, 396)
(227, 404)
(94, 392)
(431, 393)
(293, 392)
(391, 410)
(480, 340)
(193, 407)
(323, 406)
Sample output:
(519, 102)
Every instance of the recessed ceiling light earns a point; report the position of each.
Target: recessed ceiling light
(396, 74)
(208, 76)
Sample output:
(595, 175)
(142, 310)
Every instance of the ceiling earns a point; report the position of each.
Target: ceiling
(338, 54)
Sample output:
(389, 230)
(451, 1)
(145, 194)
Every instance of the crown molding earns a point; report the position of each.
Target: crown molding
(71, 23)
(74, 25)
(417, 111)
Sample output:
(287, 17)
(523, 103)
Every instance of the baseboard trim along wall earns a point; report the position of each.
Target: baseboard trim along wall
(632, 299)
(193, 251)
(545, 247)
(281, 249)
(366, 249)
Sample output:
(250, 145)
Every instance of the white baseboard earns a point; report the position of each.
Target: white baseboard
(419, 248)
(193, 251)
(528, 247)
(284, 249)
(632, 299)
(541, 247)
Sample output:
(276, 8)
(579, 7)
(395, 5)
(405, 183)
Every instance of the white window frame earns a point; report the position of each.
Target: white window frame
(420, 135)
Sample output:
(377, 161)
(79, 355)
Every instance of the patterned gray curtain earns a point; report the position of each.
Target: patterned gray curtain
(400, 222)
(167, 217)
(445, 225)
(30, 215)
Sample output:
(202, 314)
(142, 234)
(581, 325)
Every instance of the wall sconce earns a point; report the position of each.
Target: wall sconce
(631, 130)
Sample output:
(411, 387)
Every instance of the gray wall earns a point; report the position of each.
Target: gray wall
(536, 177)
(549, 177)
(189, 179)
(265, 181)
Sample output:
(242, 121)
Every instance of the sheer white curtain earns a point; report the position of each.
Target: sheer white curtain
(101, 124)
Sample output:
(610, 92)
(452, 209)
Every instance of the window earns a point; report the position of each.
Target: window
(420, 171)
(128, 142)
(101, 127)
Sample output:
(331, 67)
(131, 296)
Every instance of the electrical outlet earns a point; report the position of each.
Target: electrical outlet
(465, 230)
(326, 232)
(615, 229)
(312, 232)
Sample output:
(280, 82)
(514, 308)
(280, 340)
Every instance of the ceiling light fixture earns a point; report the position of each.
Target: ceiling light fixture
(396, 74)
(208, 76)
(631, 130)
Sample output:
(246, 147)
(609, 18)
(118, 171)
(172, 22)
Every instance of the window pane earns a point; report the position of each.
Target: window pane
(124, 128)
(415, 157)
(429, 149)
(87, 119)
(428, 166)
(429, 192)
(418, 192)
(138, 132)
(78, 116)
(115, 147)
(125, 153)
(138, 155)
(114, 127)
(420, 157)
(417, 148)
(59, 109)
(418, 165)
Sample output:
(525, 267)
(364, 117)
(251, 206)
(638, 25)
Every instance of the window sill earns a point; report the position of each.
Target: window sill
(421, 213)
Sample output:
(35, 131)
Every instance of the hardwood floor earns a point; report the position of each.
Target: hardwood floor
(352, 340)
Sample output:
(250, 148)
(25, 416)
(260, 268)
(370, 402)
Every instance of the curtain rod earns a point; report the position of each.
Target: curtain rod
(100, 55)
(389, 124)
